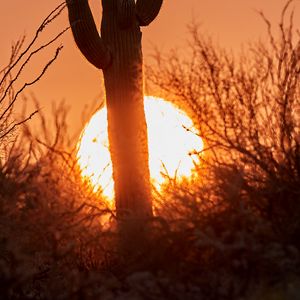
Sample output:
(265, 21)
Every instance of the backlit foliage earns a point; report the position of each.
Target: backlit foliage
(231, 234)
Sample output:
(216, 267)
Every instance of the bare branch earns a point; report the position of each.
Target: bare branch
(56, 12)
(32, 82)
(18, 124)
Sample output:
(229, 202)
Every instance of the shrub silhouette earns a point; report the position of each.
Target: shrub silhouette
(230, 234)
(247, 112)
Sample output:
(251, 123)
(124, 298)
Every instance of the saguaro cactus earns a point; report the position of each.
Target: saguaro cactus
(118, 52)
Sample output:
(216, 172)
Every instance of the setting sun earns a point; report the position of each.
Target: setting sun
(172, 140)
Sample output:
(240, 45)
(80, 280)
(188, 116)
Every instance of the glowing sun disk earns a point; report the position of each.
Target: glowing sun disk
(171, 138)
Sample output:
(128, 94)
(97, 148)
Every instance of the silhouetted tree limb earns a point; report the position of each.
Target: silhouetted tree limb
(19, 60)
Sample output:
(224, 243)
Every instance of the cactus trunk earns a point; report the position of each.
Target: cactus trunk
(118, 52)
(127, 128)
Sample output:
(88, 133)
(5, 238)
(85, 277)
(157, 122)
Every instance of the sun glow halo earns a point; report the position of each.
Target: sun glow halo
(171, 138)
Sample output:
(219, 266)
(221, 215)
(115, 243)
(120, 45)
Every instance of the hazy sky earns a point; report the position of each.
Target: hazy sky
(230, 22)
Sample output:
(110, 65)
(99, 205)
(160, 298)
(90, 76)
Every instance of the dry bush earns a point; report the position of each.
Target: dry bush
(247, 111)
(54, 229)
(238, 225)
(51, 223)
(229, 234)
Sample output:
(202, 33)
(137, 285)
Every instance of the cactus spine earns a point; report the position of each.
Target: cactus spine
(118, 52)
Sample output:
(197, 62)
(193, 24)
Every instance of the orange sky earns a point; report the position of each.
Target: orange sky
(230, 22)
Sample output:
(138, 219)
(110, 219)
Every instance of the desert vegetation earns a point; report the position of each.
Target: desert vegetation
(231, 233)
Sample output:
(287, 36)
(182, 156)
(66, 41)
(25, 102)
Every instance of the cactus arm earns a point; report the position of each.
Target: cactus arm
(147, 10)
(86, 35)
(126, 13)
